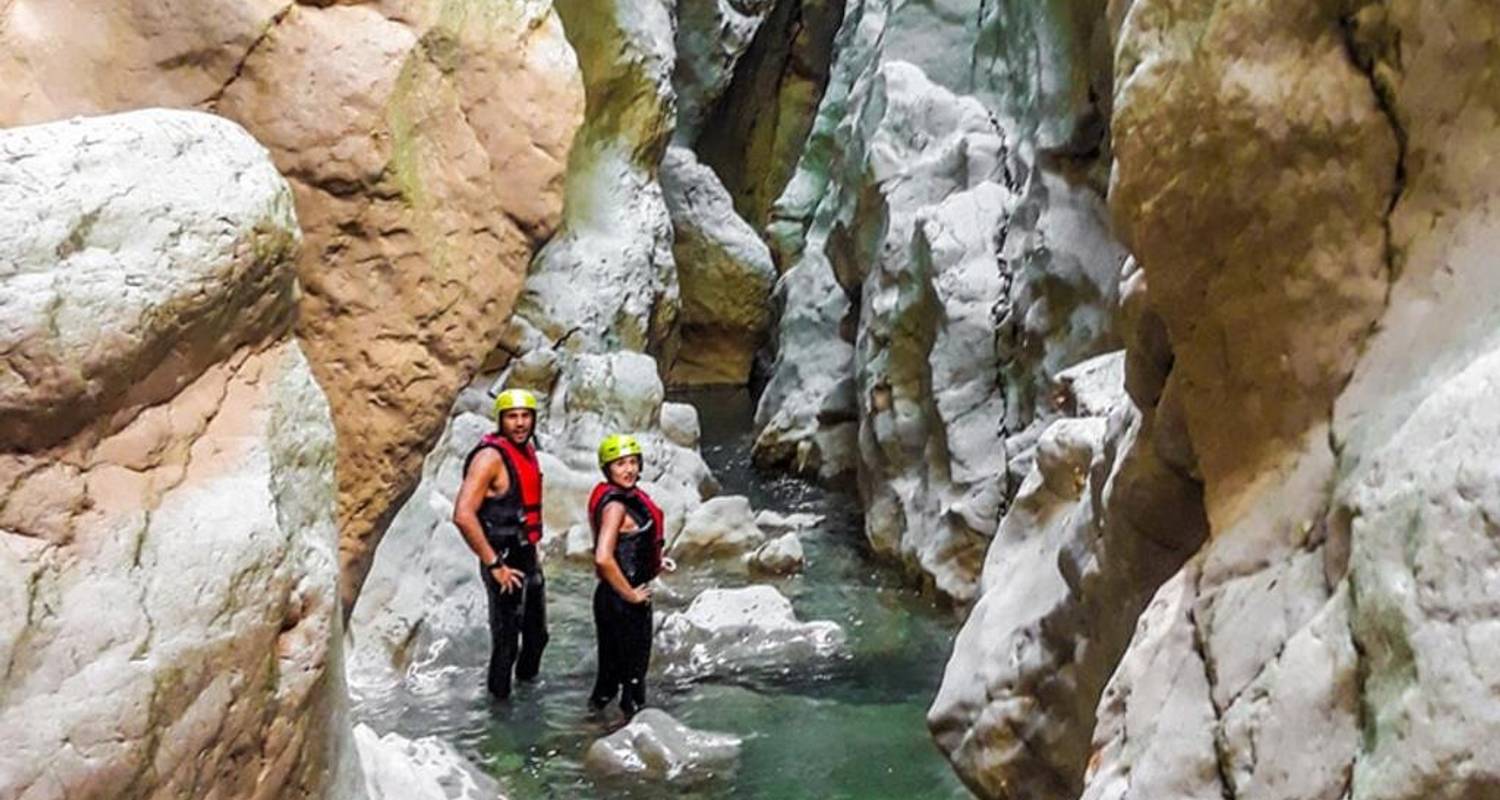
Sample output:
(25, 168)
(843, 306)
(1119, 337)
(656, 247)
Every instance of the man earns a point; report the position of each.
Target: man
(499, 512)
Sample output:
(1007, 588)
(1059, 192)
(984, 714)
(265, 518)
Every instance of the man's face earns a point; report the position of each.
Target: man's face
(516, 423)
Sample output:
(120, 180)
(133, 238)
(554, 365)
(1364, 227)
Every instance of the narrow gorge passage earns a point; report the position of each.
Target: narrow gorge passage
(847, 727)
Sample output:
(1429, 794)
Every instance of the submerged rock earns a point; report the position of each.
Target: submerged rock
(780, 556)
(720, 527)
(768, 519)
(656, 747)
(737, 631)
(398, 768)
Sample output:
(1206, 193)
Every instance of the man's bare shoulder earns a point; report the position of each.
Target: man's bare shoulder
(485, 462)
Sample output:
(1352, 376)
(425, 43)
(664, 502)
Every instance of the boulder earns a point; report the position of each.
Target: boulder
(425, 145)
(113, 219)
(727, 632)
(767, 519)
(656, 747)
(398, 768)
(720, 527)
(780, 556)
(724, 272)
(170, 620)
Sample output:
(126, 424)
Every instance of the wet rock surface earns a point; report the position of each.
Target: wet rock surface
(741, 631)
(397, 768)
(780, 556)
(656, 747)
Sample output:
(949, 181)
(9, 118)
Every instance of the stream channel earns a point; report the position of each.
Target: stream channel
(848, 728)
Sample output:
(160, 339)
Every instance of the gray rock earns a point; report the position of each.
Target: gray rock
(780, 556)
(656, 747)
(397, 768)
(711, 37)
(738, 631)
(720, 527)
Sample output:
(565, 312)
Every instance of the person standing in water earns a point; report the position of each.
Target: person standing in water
(499, 513)
(628, 537)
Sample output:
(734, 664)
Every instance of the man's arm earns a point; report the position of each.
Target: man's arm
(484, 470)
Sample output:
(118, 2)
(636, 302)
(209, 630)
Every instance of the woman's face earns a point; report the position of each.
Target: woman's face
(625, 471)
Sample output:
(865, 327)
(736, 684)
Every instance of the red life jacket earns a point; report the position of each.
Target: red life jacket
(641, 508)
(525, 492)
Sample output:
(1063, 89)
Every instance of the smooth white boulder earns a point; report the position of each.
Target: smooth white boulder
(398, 768)
(656, 747)
(780, 556)
(720, 527)
(734, 631)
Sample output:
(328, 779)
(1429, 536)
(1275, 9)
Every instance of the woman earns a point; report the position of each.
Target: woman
(628, 535)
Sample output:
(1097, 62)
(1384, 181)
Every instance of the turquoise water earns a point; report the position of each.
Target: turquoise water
(852, 728)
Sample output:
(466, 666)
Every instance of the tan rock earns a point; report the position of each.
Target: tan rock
(1254, 203)
(426, 142)
(169, 625)
(725, 275)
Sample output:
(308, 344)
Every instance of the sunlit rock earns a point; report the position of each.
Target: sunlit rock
(656, 747)
(425, 149)
(780, 556)
(724, 272)
(720, 527)
(169, 619)
(739, 631)
(770, 520)
(398, 768)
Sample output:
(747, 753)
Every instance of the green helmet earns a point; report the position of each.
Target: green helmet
(513, 399)
(617, 446)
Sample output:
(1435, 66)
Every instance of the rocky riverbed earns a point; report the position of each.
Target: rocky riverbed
(856, 671)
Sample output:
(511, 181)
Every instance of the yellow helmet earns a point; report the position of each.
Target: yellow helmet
(514, 398)
(616, 447)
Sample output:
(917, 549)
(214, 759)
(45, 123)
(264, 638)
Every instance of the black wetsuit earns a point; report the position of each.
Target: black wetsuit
(519, 614)
(624, 628)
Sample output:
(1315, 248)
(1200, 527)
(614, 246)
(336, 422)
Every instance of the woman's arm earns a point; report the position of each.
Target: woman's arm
(604, 556)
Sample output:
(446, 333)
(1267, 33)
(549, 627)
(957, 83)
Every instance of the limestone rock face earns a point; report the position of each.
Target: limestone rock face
(724, 272)
(938, 223)
(1099, 522)
(656, 747)
(932, 463)
(616, 237)
(728, 632)
(108, 221)
(170, 620)
(425, 142)
(1320, 605)
(754, 136)
(712, 35)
